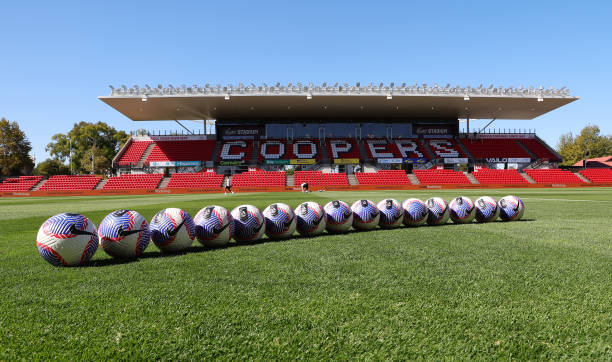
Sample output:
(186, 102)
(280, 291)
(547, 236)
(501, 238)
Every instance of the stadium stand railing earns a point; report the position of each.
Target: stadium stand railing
(441, 177)
(553, 176)
(21, 183)
(259, 179)
(383, 177)
(195, 180)
(71, 182)
(319, 178)
(598, 175)
(133, 182)
(487, 176)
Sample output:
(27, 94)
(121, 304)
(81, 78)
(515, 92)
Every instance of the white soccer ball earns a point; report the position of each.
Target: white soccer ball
(511, 208)
(486, 209)
(339, 216)
(415, 212)
(438, 211)
(310, 218)
(67, 239)
(124, 234)
(461, 210)
(214, 226)
(280, 221)
(249, 224)
(365, 215)
(391, 213)
(172, 229)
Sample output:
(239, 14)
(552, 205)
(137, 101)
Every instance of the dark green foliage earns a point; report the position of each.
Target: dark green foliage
(538, 289)
(14, 150)
(50, 167)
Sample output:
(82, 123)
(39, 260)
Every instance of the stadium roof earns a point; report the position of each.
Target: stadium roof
(334, 101)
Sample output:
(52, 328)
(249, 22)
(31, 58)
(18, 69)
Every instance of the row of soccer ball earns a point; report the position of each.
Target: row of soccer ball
(72, 239)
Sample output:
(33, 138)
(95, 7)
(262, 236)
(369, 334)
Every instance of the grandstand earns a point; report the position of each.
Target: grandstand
(329, 135)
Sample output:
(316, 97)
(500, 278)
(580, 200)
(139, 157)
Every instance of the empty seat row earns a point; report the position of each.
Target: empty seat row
(259, 178)
(184, 150)
(441, 177)
(21, 183)
(494, 148)
(271, 149)
(383, 177)
(320, 178)
(493, 177)
(552, 176)
(195, 180)
(133, 153)
(71, 182)
(133, 181)
(598, 175)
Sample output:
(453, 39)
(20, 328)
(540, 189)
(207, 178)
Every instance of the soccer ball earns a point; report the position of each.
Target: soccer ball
(462, 210)
(415, 212)
(280, 221)
(67, 239)
(486, 209)
(391, 213)
(214, 226)
(310, 218)
(172, 229)
(365, 215)
(511, 208)
(249, 224)
(124, 234)
(339, 216)
(438, 211)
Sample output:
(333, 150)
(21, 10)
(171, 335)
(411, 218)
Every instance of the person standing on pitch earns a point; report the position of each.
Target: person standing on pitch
(228, 186)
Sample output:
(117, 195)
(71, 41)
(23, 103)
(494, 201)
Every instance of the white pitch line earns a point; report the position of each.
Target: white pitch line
(570, 200)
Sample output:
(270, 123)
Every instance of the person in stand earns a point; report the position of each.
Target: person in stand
(228, 186)
(305, 187)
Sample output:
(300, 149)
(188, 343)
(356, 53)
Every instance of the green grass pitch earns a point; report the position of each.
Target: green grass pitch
(540, 288)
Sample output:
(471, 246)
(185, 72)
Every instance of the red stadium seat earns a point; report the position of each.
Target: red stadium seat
(445, 148)
(553, 176)
(21, 183)
(236, 151)
(494, 148)
(441, 177)
(318, 178)
(398, 148)
(259, 179)
(338, 148)
(499, 177)
(133, 153)
(184, 150)
(598, 175)
(271, 149)
(195, 180)
(539, 149)
(383, 177)
(71, 182)
(133, 182)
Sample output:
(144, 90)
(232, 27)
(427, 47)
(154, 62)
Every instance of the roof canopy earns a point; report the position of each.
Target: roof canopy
(325, 101)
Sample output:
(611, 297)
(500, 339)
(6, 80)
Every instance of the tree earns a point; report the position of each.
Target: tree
(589, 141)
(50, 167)
(14, 150)
(97, 140)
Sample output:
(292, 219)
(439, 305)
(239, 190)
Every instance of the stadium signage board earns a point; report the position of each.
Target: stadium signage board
(455, 160)
(245, 131)
(175, 163)
(302, 161)
(414, 160)
(277, 162)
(433, 130)
(390, 160)
(511, 160)
(231, 163)
(345, 161)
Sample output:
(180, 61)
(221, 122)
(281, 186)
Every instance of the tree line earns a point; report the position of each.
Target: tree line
(89, 145)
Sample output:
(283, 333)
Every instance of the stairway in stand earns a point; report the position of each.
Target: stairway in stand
(579, 175)
(290, 180)
(471, 178)
(163, 183)
(145, 154)
(527, 177)
(412, 177)
(39, 184)
(101, 184)
(352, 179)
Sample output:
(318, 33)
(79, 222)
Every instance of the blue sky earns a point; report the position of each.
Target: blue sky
(57, 57)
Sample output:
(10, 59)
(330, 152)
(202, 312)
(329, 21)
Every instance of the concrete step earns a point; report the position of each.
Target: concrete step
(145, 154)
(465, 150)
(101, 184)
(579, 175)
(531, 154)
(412, 177)
(290, 180)
(163, 183)
(363, 151)
(527, 177)
(215, 154)
(324, 154)
(39, 184)
(255, 154)
(430, 154)
(352, 179)
(471, 178)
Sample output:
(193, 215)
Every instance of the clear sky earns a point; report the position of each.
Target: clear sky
(56, 57)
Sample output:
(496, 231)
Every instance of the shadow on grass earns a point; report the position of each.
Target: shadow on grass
(203, 249)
